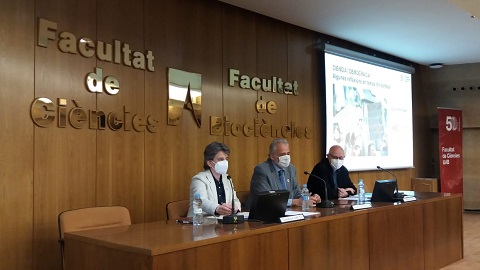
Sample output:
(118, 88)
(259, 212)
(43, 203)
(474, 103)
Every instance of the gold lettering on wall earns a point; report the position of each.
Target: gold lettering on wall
(96, 83)
(274, 84)
(184, 92)
(266, 106)
(223, 126)
(43, 112)
(118, 52)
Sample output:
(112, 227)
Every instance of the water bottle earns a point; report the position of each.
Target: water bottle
(197, 232)
(305, 198)
(361, 191)
(197, 210)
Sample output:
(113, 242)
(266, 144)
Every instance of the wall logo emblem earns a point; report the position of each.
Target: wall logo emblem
(184, 92)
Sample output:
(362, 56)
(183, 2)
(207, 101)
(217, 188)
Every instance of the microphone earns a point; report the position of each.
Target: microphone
(397, 195)
(233, 218)
(324, 203)
(233, 195)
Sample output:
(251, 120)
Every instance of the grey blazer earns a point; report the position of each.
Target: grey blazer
(204, 184)
(265, 178)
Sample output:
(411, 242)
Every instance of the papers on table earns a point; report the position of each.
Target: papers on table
(368, 196)
(244, 214)
(293, 213)
(407, 192)
(287, 213)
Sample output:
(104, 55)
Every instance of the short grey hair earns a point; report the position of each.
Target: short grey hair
(273, 144)
(211, 151)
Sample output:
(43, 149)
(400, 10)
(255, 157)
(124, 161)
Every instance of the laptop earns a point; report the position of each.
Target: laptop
(383, 191)
(269, 206)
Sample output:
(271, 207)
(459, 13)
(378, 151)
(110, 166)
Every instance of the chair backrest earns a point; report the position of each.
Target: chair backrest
(91, 218)
(425, 184)
(177, 209)
(243, 197)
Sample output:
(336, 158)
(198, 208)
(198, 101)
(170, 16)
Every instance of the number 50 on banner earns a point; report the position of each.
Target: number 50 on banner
(452, 123)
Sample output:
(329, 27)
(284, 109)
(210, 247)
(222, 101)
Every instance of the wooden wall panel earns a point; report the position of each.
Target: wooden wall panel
(272, 60)
(239, 52)
(64, 158)
(184, 42)
(160, 37)
(201, 53)
(386, 244)
(269, 252)
(301, 109)
(120, 153)
(424, 150)
(96, 256)
(16, 134)
(322, 242)
(369, 177)
(443, 232)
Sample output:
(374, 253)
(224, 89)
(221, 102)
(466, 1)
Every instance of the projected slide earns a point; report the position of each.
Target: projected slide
(368, 113)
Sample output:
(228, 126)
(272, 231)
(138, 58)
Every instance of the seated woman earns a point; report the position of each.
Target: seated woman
(215, 189)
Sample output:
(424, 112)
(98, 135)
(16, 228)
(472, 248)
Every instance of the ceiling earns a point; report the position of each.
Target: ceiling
(420, 31)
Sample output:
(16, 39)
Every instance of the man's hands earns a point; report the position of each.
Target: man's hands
(297, 202)
(225, 209)
(313, 199)
(343, 192)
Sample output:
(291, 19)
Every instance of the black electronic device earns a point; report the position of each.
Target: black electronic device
(384, 191)
(397, 196)
(269, 206)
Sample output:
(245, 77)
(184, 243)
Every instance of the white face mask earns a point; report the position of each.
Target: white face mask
(221, 167)
(336, 163)
(284, 161)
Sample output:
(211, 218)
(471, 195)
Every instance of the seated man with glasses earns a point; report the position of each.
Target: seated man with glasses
(331, 169)
(277, 173)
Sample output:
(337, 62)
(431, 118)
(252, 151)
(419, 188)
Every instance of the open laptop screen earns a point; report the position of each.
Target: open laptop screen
(383, 191)
(269, 206)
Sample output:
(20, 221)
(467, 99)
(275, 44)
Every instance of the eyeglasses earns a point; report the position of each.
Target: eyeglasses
(335, 157)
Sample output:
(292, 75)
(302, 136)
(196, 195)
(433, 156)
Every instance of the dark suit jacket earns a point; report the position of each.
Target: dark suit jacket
(324, 170)
(265, 178)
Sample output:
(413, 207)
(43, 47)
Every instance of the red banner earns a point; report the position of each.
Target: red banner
(450, 150)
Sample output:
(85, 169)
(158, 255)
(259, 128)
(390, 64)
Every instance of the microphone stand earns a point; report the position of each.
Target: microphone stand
(233, 218)
(324, 203)
(397, 196)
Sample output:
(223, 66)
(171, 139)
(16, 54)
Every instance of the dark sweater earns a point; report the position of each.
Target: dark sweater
(324, 170)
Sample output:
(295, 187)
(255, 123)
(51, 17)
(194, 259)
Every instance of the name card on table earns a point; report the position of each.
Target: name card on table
(409, 199)
(360, 206)
(291, 218)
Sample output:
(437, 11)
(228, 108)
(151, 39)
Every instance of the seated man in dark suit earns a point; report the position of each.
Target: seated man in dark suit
(331, 169)
(276, 173)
